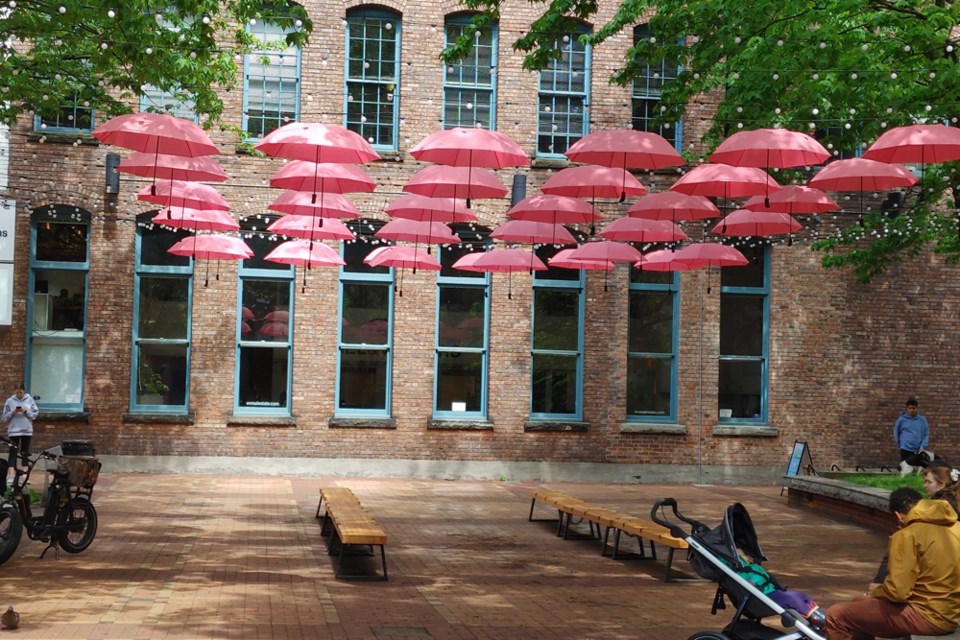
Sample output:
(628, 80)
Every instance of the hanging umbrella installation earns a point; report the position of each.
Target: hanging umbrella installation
(642, 230)
(212, 246)
(156, 133)
(673, 206)
(416, 231)
(532, 232)
(862, 174)
(164, 166)
(415, 207)
(310, 228)
(918, 143)
(182, 193)
(794, 200)
(305, 253)
(196, 219)
(744, 222)
(770, 149)
(505, 261)
(400, 257)
(318, 143)
(563, 260)
(662, 260)
(300, 203)
(725, 181)
(591, 182)
(302, 175)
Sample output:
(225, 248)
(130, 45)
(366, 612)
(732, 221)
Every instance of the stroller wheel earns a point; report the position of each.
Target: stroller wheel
(708, 635)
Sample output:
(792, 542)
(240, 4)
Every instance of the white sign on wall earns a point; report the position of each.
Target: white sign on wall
(8, 228)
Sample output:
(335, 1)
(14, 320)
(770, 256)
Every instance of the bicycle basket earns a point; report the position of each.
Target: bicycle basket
(82, 472)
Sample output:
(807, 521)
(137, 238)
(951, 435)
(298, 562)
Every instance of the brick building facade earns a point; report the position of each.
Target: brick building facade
(839, 358)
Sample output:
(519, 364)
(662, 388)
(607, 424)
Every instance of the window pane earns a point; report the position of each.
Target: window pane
(263, 377)
(642, 276)
(556, 320)
(462, 317)
(449, 255)
(162, 375)
(648, 386)
(363, 379)
(371, 82)
(261, 244)
(61, 242)
(459, 376)
(163, 307)
(58, 300)
(554, 384)
(154, 244)
(740, 385)
(268, 302)
(545, 252)
(651, 322)
(562, 98)
(56, 371)
(741, 325)
(366, 309)
(272, 82)
(750, 275)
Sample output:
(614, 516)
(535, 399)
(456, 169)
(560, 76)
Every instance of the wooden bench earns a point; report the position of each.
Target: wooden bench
(349, 527)
(569, 507)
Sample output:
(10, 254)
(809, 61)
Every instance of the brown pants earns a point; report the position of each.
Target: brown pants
(867, 618)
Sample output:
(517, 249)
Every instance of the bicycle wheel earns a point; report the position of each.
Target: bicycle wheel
(76, 525)
(11, 528)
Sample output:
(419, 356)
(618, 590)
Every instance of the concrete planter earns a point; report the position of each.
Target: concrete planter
(845, 501)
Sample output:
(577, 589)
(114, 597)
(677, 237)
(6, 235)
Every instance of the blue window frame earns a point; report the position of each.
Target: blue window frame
(652, 344)
(469, 86)
(463, 331)
(271, 82)
(744, 326)
(56, 313)
(564, 97)
(74, 116)
(372, 78)
(159, 101)
(365, 344)
(556, 365)
(163, 295)
(264, 326)
(647, 90)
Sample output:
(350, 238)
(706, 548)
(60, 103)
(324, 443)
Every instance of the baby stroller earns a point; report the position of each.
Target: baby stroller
(731, 555)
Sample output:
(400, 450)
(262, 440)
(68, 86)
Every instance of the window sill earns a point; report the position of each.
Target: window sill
(65, 416)
(62, 137)
(570, 426)
(157, 418)
(460, 425)
(747, 431)
(549, 163)
(390, 155)
(653, 428)
(260, 421)
(362, 423)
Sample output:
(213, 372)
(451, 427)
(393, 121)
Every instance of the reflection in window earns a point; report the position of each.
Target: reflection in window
(647, 89)
(73, 116)
(373, 75)
(652, 346)
(158, 101)
(271, 82)
(468, 85)
(744, 307)
(564, 97)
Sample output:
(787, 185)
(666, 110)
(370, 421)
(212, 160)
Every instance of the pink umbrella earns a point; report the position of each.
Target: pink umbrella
(642, 230)
(725, 181)
(180, 193)
(532, 232)
(795, 200)
(744, 222)
(162, 166)
(563, 260)
(592, 182)
(662, 260)
(606, 250)
(277, 316)
(402, 257)
(709, 254)
(247, 314)
(332, 205)
(920, 143)
(554, 209)
(625, 149)
(467, 262)
(301, 175)
(212, 246)
(156, 133)
(196, 219)
(414, 207)
(404, 230)
(309, 227)
(507, 261)
(769, 148)
(439, 181)
(672, 205)
(305, 253)
(473, 147)
(862, 174)
(318, 143)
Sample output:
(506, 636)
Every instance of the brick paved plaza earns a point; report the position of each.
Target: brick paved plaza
(230, 557)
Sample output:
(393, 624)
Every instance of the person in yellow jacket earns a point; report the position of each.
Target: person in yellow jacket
(921, 593)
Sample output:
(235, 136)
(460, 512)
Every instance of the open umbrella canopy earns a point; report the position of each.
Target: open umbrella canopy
(662, 260)
(164, 166)
(625, 149)
(562, 260)
(709, 254)
(309, 253)
(470, 147)
(862, 174)
(795, 200)
(301, 175)
(642, 230)
(402, 258)
(606, 250)
(196, 219)
(506, 261)
(311, 228)
(440, 181)
(770, 148)
(467, 260)
(532, 232)
(554, 209)
(592, 181)
(672, 205)
(301, 203)
(212, 246)
(744, 222)
(317, 142)
(922, 143)
(404, 230)
(414, 207)
(156, 133)
(725, 181)
(182, 193)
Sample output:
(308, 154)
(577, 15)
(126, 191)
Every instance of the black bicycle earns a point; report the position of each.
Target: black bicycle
(68, 521)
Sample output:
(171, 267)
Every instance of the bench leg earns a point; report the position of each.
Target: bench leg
(606, 538)
(338, 572)
(666, 576)
(642, 555)
(320, 504)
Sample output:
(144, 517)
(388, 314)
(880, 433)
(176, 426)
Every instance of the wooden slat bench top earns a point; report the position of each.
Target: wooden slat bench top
(338, 494)
(352, 525)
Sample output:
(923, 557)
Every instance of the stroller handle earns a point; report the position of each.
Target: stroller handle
(675, 529)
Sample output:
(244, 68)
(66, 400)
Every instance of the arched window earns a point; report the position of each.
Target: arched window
(469, 85)
(373, 75)
(564, 96)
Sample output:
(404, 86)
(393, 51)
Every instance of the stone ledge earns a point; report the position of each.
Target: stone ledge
(862, 495)
(66, 416)
(555, 426)
(652, 428)
(866, 506)
(460, 425)
(158, 418)
(745, 431)
(362, 423)
(261, 421)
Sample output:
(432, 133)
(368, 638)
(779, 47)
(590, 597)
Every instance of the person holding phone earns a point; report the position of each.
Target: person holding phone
(19, 412)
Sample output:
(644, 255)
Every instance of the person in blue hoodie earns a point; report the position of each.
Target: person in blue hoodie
(912, 433)
(19, 412)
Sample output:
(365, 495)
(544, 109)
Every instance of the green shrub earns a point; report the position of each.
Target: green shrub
(886, 481)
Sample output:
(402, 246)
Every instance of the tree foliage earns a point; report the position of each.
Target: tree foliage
(101, 53)
(845, 69)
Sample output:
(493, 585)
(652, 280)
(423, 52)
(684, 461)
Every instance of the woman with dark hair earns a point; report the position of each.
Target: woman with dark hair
(19, 412)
